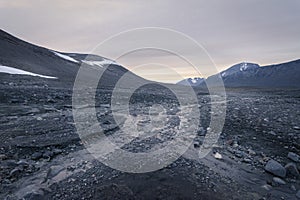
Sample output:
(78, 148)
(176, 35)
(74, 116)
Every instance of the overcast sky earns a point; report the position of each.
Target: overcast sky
(232, 31)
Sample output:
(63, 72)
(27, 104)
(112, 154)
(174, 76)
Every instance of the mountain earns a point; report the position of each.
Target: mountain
(22, 61)
(192, 81)
(241, 68)
(26, 63)
(284, 75)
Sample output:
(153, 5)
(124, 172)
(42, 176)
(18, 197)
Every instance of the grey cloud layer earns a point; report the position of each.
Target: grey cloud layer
(232, 30)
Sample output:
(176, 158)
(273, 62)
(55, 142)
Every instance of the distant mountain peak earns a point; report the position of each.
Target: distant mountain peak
(245, 66)
(238, 68)
(196, 81)
(247, 74)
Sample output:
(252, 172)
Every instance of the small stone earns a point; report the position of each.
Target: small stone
(296, 127)
(291, 170)
(293, 156)
(6, 182)
(105, 105)
(36, 195)
(247, 160)
(239, 154)
(272, 133)
(3, 157)
(275, 168)
(229, 142)
(47, 154)
(218, 156)
(71, 180)
(235, 144)
(51, 100)
(196, 145)
(267, 187)
(57, 151)
(34, 110)
(15, 172)
(36, 155)
(39, 118)
(251, 152)
(23, 163)
(71, 167)
(278, 181)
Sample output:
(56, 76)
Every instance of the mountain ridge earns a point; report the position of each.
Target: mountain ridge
(248, 74)
(34, 59)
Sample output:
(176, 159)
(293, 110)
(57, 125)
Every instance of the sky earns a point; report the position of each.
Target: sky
(230, 32)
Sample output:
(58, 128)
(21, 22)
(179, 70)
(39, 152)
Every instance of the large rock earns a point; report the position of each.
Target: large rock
(275, 168)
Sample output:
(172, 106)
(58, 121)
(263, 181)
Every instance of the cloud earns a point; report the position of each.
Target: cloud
(232, 31)
(13, 4)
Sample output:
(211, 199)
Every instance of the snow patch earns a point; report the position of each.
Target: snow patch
(243, 67)
(65, 57)
(100, 63)
(194, 80)
(11, 70)
(218, 156)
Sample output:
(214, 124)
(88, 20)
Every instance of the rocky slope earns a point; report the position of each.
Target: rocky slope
(18, 54)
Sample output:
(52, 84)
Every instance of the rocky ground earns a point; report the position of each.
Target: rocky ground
(42, 156)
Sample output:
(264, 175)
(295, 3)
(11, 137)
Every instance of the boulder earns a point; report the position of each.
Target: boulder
(275, 168)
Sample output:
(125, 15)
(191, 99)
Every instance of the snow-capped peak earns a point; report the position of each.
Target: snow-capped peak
(196, 81)
(239, 68)
(243, 66)
(246, 66)
(193, 80)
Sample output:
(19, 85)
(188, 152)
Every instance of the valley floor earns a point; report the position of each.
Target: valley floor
(42, 157)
